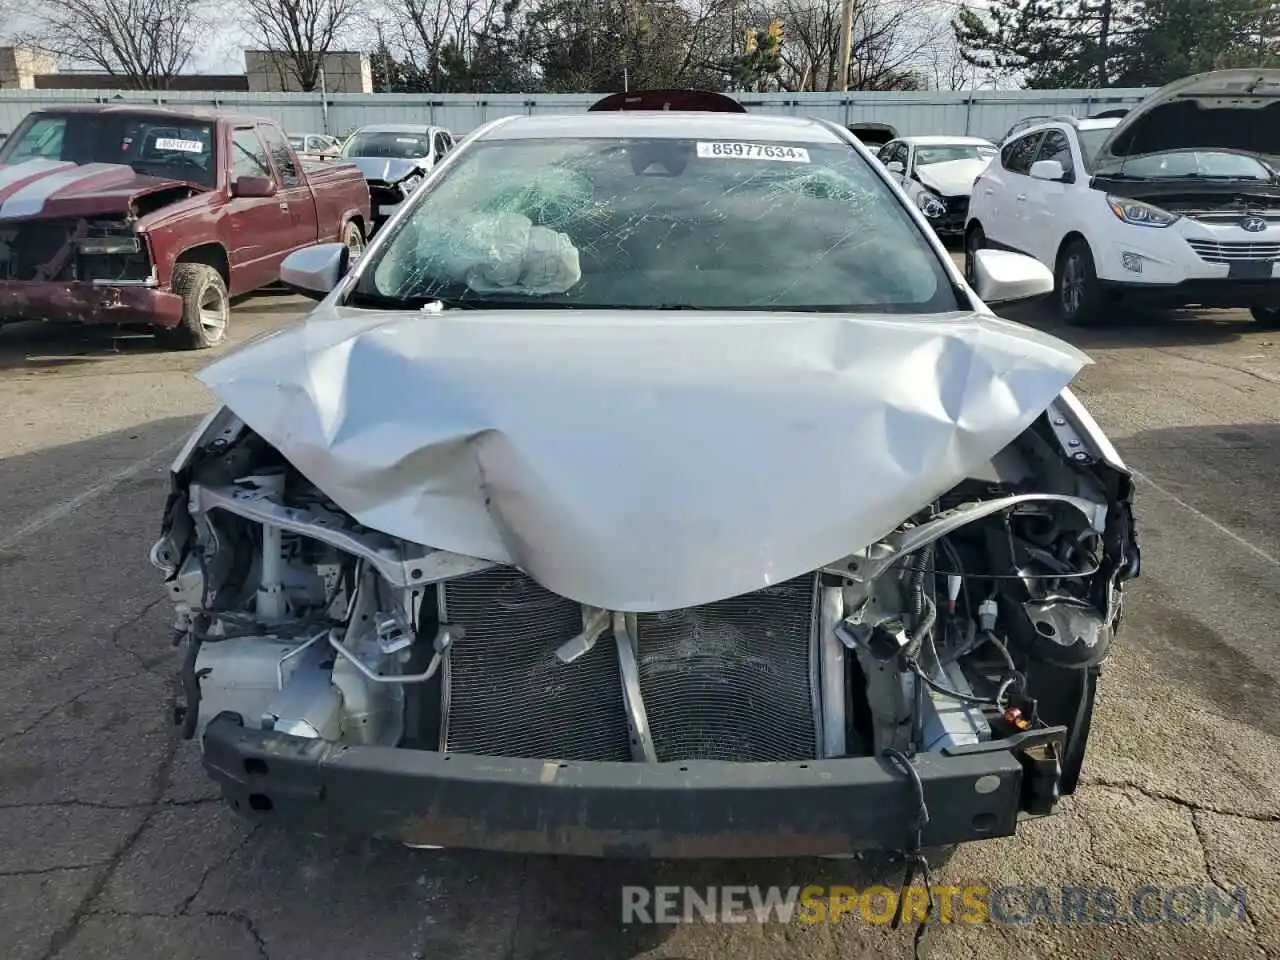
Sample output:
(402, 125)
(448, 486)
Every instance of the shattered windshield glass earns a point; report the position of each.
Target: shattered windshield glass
(658, 224)
(178, 148)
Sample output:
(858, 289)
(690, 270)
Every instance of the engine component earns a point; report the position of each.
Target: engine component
(505, 691)
(736, 679)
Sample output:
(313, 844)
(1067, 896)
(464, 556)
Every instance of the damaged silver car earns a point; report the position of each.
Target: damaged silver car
(653, 486)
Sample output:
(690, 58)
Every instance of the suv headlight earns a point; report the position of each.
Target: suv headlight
(410, 183)
(1140, 214)
(931, 206)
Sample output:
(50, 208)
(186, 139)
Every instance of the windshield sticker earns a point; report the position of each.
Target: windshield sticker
(185, 146)
(752, 151)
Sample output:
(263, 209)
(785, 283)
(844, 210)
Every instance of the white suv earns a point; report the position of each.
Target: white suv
(1175, 204)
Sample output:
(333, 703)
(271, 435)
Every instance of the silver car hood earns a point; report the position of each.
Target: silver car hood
(641, 461)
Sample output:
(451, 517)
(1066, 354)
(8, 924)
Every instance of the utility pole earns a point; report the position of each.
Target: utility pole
(846, 42)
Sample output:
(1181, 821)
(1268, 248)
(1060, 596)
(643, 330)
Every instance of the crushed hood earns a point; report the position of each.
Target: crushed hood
(387, 169)
(52, 188)
(952, 178)
(1224, 110)
(641, 461)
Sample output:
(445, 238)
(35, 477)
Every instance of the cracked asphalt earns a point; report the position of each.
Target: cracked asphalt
(112, 843)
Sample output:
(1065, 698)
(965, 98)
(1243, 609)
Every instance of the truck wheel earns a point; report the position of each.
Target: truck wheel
(353, 237)
(206, 308)
(1075, 285)
(1266, 317)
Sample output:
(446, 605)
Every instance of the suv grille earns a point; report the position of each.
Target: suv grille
(1233, 251)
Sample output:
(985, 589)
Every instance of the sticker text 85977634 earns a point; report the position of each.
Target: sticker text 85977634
(721, 150)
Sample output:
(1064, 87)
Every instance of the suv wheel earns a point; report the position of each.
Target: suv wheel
(1075, 285)
(1266, 317)
(974, 241)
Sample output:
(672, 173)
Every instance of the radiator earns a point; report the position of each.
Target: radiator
(506, 693)
(733, 680)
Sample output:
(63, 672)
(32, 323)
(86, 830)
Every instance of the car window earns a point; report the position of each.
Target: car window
(1211, 164)
(942, 153)
(40, 141)
(448, 141)
(1017, 155)
(249, 156)
(659, 224)
(298, 143)
(886, 152)
(438, 145)
(1090, 140)
(1056, 146)
(281, 156)
(396, 145)
(153, 144)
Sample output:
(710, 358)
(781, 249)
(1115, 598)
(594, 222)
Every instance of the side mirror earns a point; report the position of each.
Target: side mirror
(894, 166)
(1000, 276)
(253, 187)
(314, 271)
(1047, 170)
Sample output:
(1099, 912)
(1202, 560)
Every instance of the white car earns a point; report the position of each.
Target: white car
(1175, 204)
(652, 486)
(938, 174)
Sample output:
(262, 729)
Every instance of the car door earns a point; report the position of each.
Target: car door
(256, 232)
(1046, 199)
(294, 196)
(1009, 225)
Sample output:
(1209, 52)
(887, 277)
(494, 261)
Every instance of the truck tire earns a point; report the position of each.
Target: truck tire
(206, 308)
(353, 237)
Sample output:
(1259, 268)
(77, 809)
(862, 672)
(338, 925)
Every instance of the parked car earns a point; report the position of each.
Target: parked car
(1177, 203)
(394, 158)
(873, 133)
(142, 215)
(938, 174)
(553, 464)
(315, 146)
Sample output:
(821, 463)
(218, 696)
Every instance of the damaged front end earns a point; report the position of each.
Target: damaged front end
(338, 677)
(85, 269)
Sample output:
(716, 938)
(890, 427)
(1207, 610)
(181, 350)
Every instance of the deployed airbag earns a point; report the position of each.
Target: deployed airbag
(642, 461)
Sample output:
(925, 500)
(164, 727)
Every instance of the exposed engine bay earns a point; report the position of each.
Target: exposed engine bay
(107, 250)
(985, 615)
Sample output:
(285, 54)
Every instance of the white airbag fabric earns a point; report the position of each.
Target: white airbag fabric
(642, 461)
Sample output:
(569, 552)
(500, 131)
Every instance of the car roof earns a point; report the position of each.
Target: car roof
(663, 124)
(397, 128)
(943, 141)
(159, 113)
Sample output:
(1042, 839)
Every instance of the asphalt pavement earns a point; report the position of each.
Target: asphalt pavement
(113, 844)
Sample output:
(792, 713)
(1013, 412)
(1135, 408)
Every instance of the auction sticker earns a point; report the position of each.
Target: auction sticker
(721, 150)
(186, 146)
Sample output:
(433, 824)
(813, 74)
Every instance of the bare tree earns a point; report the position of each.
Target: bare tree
(888, 41)
(299, 34)
(145, 43)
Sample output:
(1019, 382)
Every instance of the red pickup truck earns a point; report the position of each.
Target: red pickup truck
(143, 215)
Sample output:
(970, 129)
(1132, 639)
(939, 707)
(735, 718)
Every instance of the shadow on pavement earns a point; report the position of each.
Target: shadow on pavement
(1128, 328)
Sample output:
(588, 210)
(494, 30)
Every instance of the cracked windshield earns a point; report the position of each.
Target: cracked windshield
(659, 224)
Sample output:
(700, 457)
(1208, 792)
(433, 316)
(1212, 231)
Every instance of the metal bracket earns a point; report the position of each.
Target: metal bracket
(595, 622)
